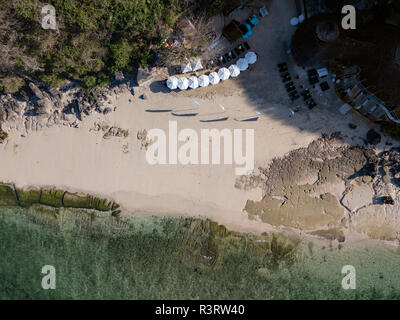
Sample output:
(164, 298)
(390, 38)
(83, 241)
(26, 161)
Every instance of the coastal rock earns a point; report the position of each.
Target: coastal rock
(330, 234)
(378, 221)
(82, 200)
(36, 91)
(360, 195)
(116, 132)
(3, 136)
(52, 197)
(144, 76)
(107, 110)
(45, 106)
(329, 189)
(28, 196)
(7, 195)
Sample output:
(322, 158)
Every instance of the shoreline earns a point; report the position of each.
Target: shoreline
(101, 154)
(84, 160)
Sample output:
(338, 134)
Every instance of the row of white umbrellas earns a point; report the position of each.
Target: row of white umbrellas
(214, 77)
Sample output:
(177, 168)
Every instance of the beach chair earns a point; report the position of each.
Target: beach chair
(287, 78)
(324, 86)
(290, 89)
(288, 85)
(294, 95)
(305, 92)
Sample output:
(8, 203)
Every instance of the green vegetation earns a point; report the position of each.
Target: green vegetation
(93, 40)
(11, 84)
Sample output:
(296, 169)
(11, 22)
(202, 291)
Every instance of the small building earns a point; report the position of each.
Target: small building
(232, 31)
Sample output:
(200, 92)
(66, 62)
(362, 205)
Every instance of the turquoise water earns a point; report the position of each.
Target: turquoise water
(98, 257)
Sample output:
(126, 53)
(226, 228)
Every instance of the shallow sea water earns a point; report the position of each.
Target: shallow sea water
(152, 258)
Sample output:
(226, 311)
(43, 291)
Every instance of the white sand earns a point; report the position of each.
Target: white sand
(80, 159)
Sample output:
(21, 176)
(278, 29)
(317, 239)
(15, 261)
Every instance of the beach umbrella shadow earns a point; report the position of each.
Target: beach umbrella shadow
(184, 114)
(158, 110)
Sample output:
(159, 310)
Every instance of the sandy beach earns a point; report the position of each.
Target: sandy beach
(80, 159)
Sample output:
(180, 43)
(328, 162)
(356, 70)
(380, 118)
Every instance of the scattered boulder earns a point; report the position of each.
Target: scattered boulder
(116, 132)
(144, 76)
(3, 136)
(36, 91)
(45, 106)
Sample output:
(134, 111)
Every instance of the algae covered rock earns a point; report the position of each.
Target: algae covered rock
(28, 196)
(7, 195)
(52, 197)
(82, 200)
(330, 234)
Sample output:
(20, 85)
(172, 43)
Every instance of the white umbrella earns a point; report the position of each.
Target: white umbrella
(186, 67)
(224, 74)
(250, 57)
(242, 64)
(234, 70)
(183, 83)
(196, 65)
(214, 78)
(172, 83)
(204, 81)
(193, 82)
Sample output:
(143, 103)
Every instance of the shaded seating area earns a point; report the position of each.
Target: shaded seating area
(308, 99)
(287, 81)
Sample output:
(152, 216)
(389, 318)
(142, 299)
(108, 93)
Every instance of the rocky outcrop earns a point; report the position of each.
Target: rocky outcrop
(34, 107)
(110, 131)
(331, 190)
(53, 197)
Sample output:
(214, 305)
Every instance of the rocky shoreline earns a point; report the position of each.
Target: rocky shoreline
(35, 106)
(332, 190)
(12, 196)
